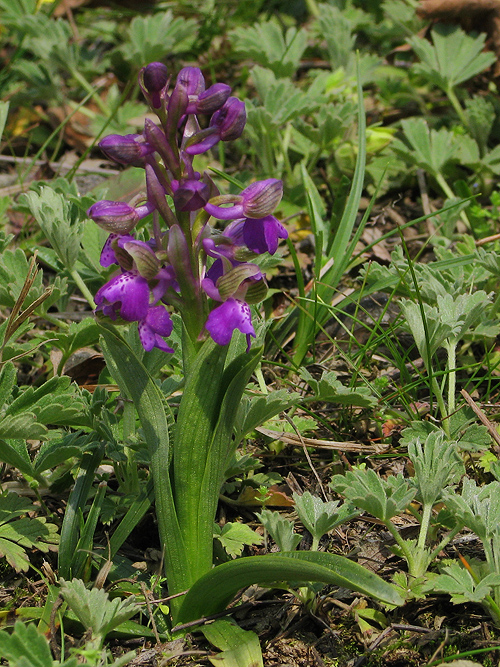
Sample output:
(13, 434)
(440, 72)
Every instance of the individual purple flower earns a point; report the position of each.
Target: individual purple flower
(199, 99)
(258, 200)
(262, 234)
(154, 327)
(153, 80)
(225, 125)
(127, 149)
(230, 315)
(118, 217)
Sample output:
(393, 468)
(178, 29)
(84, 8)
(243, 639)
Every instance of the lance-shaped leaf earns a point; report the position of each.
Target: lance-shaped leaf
(212, 592)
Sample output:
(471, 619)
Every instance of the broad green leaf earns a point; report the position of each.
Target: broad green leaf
(254, 410)
(15, 453)
(212, 592)
(240, 648)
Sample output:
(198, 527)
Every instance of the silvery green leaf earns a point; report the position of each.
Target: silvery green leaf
(61, 222)
(436, 464)
(430, 340)
(318, 516)
(27, 647)
(336, 29)
(152, 37)
(280, 529)
(254, 410)
(94, 609)
(478, 508)
(382, 498)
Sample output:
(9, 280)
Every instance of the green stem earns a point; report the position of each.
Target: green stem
(90, 90)
(457, 106)
(424, 526)
(442, 407)
(450, 194)
(445, 541)
(452, 374)
(82, 287)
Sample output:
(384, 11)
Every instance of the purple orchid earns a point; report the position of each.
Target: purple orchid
(170, 270)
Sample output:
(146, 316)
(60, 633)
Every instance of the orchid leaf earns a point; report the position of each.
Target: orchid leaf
(212, 592)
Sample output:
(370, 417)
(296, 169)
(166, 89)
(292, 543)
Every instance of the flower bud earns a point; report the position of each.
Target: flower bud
(261, 198)
(191, 195)
(192, 79)
(117, 217)
(154, 79)
(128, 149)
(213, 98)
(230, 119)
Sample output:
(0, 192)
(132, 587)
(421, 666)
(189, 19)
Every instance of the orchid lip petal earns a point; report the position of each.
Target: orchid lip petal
(230, 315)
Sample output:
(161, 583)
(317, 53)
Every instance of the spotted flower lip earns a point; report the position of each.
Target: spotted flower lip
(154, 327)
(258, 200)
(230, 315)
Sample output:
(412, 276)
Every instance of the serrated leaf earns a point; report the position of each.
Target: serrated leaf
(320, 517)
(437, 465)
(382, 498)
(266, 44)
(431, 149)
(94, 609)
(18, 534)
(234, 536)
(453, 57)
(460, 585)
(27, 647)
(60, 221)
(253, 411)
(329, 389)
(152, 37)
